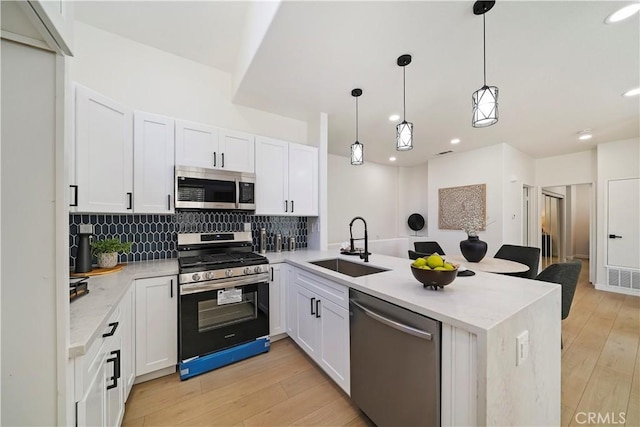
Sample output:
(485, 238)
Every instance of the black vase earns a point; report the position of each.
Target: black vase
(473, 249)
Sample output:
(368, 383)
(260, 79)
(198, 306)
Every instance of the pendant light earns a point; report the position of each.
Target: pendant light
(357, 149)
(404, 130)
(485, 99)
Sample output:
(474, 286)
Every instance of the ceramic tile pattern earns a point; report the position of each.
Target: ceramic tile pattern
(156, 236)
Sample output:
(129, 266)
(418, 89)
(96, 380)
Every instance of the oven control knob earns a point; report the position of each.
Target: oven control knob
(257, 269)
(228, 273)
(247, 270)
(208, 275)
(196, 277)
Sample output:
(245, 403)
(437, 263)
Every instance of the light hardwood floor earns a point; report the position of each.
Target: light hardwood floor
(600, 374)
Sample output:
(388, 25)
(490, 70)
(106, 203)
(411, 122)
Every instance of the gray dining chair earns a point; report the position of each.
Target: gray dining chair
(527, 255)
(428, 247)
(566, 274)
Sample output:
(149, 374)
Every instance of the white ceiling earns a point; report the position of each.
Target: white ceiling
(558, 67)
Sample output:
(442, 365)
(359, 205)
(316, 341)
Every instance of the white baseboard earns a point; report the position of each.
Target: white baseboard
(581, 256)
(156, 374)
(618, 290)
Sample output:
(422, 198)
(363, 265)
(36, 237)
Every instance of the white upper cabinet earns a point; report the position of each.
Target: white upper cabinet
(196, 145)
(104, 154)
(286, 178)
(154, 147)
(209, 147)
(237, 151)
(303, 180)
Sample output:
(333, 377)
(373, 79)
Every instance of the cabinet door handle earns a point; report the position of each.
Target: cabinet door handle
(292, 206)
(113, 327)
(613, 236)
(312, 300)
(272, 274)
(214, 159)
(130, 196)
(171, 288)
(318, 309)
(222, 159)
(286, 206)
(116, 368)
(168, 202)
(75, 195)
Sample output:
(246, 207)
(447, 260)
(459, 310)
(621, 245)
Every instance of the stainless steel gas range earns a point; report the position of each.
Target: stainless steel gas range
(224, 301)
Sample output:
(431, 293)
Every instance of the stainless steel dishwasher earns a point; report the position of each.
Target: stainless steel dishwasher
(395, 363)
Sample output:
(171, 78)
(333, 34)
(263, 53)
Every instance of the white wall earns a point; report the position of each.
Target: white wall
(575, 168)
(616, 160)
(29, 336)
(369, 191)
(580, 210)
(518, 171)
(412, 196)
(482, 166)
(318, 226)
(151, 80)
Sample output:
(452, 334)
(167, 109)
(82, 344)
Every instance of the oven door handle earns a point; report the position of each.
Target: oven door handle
(194, 288)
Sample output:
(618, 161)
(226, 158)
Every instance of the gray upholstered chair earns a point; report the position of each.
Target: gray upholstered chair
(566, 274)
(416, 255)
(428, 247)
(527, 255)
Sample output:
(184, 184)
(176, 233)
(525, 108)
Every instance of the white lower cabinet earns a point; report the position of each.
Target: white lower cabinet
(318, 321)
(277, 306)
(156, 311)
(98, 382)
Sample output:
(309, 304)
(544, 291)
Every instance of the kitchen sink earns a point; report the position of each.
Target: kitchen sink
(347, 267)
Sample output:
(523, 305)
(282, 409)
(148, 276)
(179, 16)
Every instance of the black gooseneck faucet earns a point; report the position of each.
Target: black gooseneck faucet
(365, 255)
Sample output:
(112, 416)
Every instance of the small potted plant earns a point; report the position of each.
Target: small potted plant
(107, 251)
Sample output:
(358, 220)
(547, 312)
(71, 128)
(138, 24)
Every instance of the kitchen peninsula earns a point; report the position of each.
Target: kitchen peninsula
(482, 316)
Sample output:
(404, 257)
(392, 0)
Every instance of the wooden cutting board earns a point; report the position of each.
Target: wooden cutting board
(98, 271)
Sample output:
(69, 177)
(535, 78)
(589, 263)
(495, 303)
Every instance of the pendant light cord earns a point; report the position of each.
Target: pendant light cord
(356, 119)
(484, 46)
(404, 93)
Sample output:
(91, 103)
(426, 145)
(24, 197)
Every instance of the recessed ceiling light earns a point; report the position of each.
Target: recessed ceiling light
(585, 135)
(392, 159)
(622, 14)
(455, 141)
(394, 117)
(632, 92)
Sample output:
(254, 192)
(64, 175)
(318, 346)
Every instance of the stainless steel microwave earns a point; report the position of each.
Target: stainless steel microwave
(199, 188)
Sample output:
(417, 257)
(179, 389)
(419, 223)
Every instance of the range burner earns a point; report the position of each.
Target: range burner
(207, 257)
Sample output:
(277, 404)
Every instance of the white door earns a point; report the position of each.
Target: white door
(303, 180)
(156, 324)
(153, 152)
(128, 355)
(277, 314)
(623, 228)
(306, 320)
(334, 343)
(104, 153)
(197, 145)
(115, 382)
(272, 177)
(238, 151)
(91, 409)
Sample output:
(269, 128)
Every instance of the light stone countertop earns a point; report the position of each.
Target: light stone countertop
(89, 312)
(476, 303)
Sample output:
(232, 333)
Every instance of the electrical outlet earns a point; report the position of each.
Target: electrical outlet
(86, 229)
(522, 348)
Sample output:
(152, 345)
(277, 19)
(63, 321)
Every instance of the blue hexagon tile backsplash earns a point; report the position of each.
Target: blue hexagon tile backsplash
(156, 236)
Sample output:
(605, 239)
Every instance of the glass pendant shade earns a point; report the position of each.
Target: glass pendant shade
(357, 153)
(485, 106)
(404, 136)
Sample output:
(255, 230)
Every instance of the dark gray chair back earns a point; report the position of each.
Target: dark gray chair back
(566, 274)
(416, 255)
(428, 247)
(527, 255)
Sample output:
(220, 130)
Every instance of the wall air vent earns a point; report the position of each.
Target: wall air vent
(629, 279)
(442, 153)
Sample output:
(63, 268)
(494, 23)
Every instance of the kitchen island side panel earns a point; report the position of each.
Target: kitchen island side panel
(526, 392)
